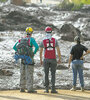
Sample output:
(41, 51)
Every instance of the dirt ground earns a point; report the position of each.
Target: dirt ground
(40, 95)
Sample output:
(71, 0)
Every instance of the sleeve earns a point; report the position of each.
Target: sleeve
(56, 43)
(14, 47)
(85, 49)
(35, 45)
(72, 52)
(41, 45)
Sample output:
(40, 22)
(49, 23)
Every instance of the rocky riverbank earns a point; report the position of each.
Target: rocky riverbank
(66, 25)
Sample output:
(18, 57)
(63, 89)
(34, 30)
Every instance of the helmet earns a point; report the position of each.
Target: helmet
(48, 29)
(29, 30)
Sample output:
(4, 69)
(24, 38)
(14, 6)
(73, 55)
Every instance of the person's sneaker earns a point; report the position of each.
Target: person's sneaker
(22, 90)
(46, 91)
(54, 91)
(82, 89)
(73, 89)
(33, 91)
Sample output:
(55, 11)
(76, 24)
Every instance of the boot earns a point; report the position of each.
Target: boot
(53, 90)
(31, 91)
(47, 89)
(73, 88)
(82, 89)
(22, 90)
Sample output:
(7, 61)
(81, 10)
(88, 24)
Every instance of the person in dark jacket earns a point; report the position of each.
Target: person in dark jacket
(76, 60)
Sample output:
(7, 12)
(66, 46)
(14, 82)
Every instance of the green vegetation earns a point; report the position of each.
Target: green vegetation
(3, 0)
(77, 6)
(81, 1)
(74, 5)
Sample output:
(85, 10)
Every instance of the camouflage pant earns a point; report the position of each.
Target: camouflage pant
(26, 76)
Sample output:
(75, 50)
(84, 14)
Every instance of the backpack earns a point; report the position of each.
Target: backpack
(23, 48)
(49, 46)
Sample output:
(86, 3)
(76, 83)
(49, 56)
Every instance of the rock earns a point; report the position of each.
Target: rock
(2, 27)
(86, 75)
(33, 5)
(5, 72)
(86, 32)
(86, 8)
(19, 20)
(1, 39)
(75, 17)
(61, 67)
(69, 32)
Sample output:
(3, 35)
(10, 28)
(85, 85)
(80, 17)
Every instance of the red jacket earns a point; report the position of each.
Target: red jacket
(49, 46)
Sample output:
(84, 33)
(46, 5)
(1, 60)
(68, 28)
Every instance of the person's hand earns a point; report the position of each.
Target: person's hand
(68, 66)
(81, 58)
(59, 61)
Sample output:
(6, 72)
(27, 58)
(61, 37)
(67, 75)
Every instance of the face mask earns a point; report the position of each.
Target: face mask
(48, 36)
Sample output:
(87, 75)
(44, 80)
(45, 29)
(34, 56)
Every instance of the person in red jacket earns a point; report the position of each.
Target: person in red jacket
(49, 44)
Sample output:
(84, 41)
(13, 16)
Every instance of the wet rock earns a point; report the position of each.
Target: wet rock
(16, 17)
(33, 5)
(84, 68)
(86, 32)
(5, 72)
(86, 75)
(75, 17)
(44, 12)
(2, 27)
(69, 32)
(1, 39)
(0, 9)
(61, 67)
(86, 8)
(19, 20)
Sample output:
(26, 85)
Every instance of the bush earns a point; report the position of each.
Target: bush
(66, 5)
(77, 7)
(3, 0)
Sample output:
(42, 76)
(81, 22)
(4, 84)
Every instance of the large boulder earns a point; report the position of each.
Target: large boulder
(19, 20)
(86, 32)
(68, 32)
(5, 72)
(2, 27)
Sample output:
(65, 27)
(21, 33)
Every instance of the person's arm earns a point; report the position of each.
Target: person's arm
(35, 45)
(14, 47)
(87, 52)
(41, 50)
(59, 54)
(58, 51)
(70, 59)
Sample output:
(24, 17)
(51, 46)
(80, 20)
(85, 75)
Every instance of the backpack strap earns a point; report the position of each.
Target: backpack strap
(49, 45)
(29, 43)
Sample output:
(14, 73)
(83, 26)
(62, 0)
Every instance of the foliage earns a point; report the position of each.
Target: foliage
(77, 6)
(3, 0)
(67, 5)
(81, 1)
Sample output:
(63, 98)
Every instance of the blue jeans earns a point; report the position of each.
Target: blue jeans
(77, 66)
